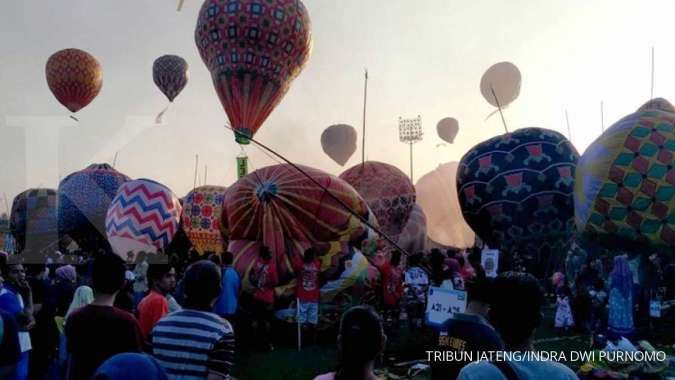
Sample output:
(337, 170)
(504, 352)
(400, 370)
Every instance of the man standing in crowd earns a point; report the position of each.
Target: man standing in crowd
(10, 350)
(194, 342)
(98, 331)
(468, 331)
(140, 278)
(307, 289)
(515, 312)
(417, 283)
(263, 277)
(16, 300)
(155, 305)
(227, 303)
(392, 287)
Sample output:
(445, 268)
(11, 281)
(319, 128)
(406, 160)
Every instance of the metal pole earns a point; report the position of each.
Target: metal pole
(411, 161)
(569, 130)
(651, 93)
(363, 133)
(499, 107)
(194, 182)
(602, 116)
(206, 170)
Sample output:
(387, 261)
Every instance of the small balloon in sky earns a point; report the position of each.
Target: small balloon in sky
(447, 129)
(170, 73)
(75, 78)
(504, 79)
(339, 142)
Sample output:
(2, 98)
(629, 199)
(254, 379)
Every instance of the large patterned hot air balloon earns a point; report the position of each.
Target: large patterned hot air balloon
(516, 191)
(339, 142)
(202, 210)
(254, 49)
(625, 181)
(75, 78)
(33, 219)
(281, 208)
(143, 217)
(84, 198)
(388, 191)
(170, 73)
(437, 195)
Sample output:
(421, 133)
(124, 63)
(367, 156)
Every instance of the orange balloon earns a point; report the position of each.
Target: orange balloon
(75, 78)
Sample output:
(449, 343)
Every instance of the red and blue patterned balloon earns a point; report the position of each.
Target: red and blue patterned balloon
(254, 50)
(516, 190)
(84, 198)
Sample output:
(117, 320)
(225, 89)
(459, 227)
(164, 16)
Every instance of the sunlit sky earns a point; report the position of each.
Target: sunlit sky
(423, 57)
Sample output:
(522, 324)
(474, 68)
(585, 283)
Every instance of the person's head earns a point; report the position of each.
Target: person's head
(450, 253)
(453, 266)
(515, 310)
(228, 258)
(66, 273)
(360, 339)
(130, 366)
(162, 278)
(437, 259)
(265, 253)
(14, 274)
(479, 290)
(395, 258)
(108, 274)
(310, 255)
(202, 285)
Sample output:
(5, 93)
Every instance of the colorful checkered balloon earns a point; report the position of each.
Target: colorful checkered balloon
(75, 78)
(33, 216)
(143, 217)
(170, 73)
(625, 181)
(253, 49)
(202, 211)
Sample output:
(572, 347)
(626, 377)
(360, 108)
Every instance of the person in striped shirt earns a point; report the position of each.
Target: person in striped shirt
(195, 343)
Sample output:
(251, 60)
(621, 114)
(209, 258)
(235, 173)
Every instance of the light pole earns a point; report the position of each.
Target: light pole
(410, 132)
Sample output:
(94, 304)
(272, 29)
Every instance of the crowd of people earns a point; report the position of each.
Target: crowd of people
(105, 318)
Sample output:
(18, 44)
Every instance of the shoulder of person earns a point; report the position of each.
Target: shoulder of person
(563, 370)
(326, 376)
(480, 370)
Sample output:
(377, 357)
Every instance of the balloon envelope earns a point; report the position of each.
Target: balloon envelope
(414, 234)
(339, 142)
(75, 78)
(33, 218)
(282, 209)
(437, 195)
(447, 129)
(388, 191)
(625, 181)
(504, 79)
(84, 197)
(143, 217)
(170, 73)
(516, 190)
(253, 49)
(202, 211)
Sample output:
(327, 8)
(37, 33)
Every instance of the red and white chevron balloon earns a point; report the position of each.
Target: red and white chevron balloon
(143, 217)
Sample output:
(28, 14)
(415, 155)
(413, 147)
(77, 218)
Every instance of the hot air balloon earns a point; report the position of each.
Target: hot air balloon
(170, 73)
(143, 217)
(75, 78)
(388, 191)
(202, 211)
(625, 181)
(84, 197)
(516, 193)
(437, 195)
(281, 208)
(339, 142)
(414, 234)
(33, 219)
(254, 50)
(504, 79)
(447, 129)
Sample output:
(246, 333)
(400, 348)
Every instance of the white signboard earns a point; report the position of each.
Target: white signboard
(489, 259)
(443, 303)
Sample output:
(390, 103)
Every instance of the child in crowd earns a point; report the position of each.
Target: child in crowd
(563, 312)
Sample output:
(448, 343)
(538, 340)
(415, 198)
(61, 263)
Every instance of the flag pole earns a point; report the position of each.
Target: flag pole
(363, 133)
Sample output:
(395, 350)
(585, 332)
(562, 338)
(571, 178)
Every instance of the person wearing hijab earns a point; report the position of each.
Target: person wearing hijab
(130, 366)
(620, 320)
(83, 296)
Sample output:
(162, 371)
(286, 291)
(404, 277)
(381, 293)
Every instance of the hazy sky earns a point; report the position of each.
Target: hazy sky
(424, 57)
